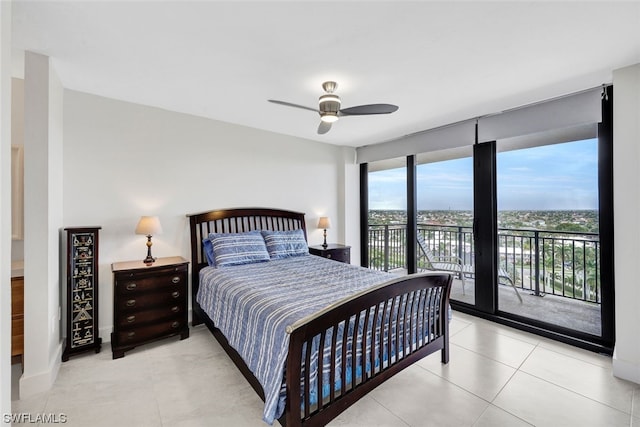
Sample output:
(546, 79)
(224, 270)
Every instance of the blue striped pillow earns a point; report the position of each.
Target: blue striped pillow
(238, 248)
(283, 244)
(208, 251)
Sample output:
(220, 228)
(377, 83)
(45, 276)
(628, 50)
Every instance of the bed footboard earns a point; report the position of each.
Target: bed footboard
(341, 354)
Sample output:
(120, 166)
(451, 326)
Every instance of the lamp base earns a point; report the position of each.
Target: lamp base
(149, 259)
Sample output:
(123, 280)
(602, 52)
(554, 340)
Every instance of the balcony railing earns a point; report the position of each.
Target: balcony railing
(543, 262)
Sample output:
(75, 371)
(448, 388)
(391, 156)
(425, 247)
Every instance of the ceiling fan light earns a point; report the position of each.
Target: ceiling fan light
(329, 117)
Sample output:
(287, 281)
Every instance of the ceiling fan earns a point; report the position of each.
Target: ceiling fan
(329, 108)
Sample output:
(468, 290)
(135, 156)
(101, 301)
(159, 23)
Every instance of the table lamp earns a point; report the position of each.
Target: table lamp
(148, 226)
(324, 223)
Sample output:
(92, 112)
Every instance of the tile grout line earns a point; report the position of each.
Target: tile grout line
(390, 411)
(574, 392)
(489, 403)
(507, 383)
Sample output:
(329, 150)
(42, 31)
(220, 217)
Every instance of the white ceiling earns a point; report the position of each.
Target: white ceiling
(441, 62)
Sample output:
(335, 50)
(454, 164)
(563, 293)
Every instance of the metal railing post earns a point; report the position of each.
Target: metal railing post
(536, 239)
(386, 248)
(460, 252)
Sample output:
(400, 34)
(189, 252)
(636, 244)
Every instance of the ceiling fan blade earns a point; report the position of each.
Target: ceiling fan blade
(363, 110)
(289, 104)
(324, 127)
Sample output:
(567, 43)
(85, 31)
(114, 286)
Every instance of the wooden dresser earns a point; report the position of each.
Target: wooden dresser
(149, 302)
(333, 251)
(17, 317)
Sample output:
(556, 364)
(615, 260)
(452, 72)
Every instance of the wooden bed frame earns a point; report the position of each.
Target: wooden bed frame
(426, 301)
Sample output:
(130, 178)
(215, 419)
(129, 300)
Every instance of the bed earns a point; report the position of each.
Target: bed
(332, 349)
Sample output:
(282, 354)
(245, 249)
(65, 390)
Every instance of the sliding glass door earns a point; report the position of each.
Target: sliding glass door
(386, 233)
(444, 220)
(548, 234)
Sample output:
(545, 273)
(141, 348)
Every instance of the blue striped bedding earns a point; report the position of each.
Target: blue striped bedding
(252, 305)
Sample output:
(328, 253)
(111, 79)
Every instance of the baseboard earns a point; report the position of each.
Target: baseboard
(626, 370)
(43, 381)
(105, 334)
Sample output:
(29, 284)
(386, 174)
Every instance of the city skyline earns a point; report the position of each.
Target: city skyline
(552, 177)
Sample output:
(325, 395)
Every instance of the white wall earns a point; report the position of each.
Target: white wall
(626, 177)
(350, 198)
(125, 160)
(42, 222)
(5, 208)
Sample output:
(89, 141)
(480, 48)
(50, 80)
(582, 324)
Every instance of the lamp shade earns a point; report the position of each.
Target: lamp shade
(149, 226)
(324, 222)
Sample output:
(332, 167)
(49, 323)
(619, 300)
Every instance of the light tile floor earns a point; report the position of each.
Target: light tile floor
(497, 376)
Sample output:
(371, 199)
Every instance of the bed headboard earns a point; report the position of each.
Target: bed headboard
(235, 220)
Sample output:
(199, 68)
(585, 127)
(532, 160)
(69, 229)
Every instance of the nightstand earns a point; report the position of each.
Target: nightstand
(149, 302)
(333, 251)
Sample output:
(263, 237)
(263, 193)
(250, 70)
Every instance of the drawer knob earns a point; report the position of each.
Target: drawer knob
(175, 325)
(329, 256)
(176, 279)
(131, 303)
(131, 319)
(131, 334)
(175, 309)
(131, 286)
(175, 294)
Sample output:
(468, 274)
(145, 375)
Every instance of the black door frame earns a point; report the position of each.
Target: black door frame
(485, 226)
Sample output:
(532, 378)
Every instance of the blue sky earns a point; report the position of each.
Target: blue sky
(551, 177)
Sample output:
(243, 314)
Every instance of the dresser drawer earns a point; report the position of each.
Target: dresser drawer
(334, 252)
(145, 333)
(140, 317)
(342, 255)
(17, 335)
(130, 283)
(17, 295)
(137, 302)
(17, 316)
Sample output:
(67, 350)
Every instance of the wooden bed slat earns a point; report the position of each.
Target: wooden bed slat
(307, 379)
(354, 350)
(409, 327)
(320, 368)
(363, 358)
(343, 369)
(332, 374)
(382, 332)
(374, 331)
(392, 326)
